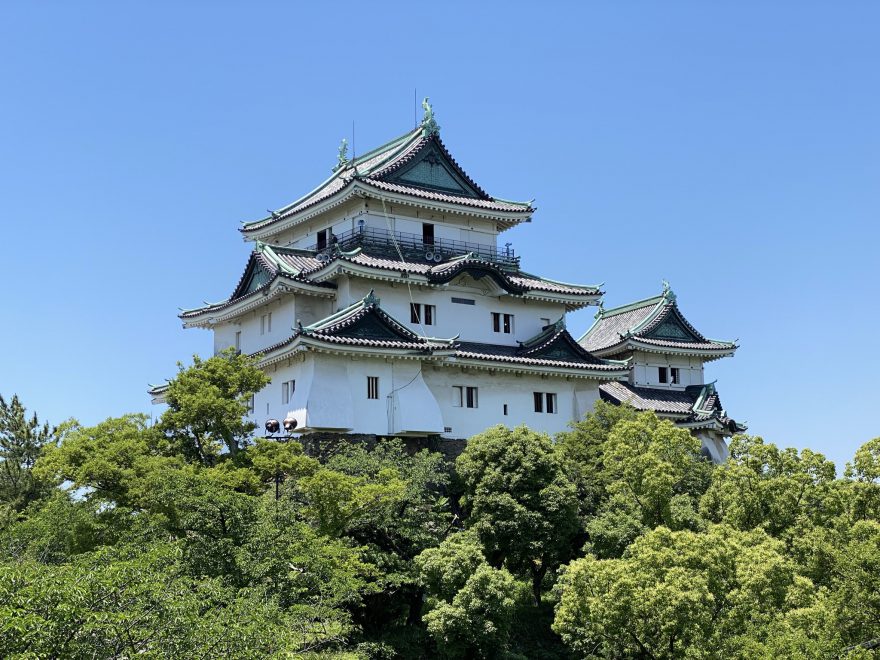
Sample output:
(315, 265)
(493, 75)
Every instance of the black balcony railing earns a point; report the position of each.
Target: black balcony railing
(413, 246)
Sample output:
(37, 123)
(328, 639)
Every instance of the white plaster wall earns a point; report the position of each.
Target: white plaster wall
(645, 370)
(471, 322)
(574, 398)
(401, 219)
(714, 444)
(331, 394)
(283, 319)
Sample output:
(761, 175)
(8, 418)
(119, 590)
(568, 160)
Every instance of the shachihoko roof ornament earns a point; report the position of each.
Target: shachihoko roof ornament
(429, 124)
(341, 156)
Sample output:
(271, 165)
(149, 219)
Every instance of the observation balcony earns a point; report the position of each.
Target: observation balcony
(413, 246)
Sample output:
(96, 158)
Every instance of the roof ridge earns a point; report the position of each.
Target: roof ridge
(638, 304)
(388, 146)
(571, 284)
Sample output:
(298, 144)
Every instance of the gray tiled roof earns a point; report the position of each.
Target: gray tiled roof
(653, 322)
(696, 403)
(377, 167)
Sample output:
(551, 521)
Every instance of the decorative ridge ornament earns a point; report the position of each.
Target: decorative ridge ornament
(668, 294)
(429, 124)
(371, 298)
(342, 155)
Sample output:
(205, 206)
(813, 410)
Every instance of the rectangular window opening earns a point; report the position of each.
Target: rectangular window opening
(471, 397)
(662, 375)
(372, 387)
(238, 341)
(427, 233)
(551, 403)
(539, 401)
(322, 239)
(675, 377)
(505, 408)
(496, 322)
(463, 301)
(419, 313)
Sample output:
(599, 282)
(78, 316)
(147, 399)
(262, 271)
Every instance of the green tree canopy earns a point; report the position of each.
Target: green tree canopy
(522, 505)
(208, 404)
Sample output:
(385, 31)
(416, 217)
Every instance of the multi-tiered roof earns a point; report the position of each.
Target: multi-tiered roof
(414, 169)
(653, 325)
(364, 327)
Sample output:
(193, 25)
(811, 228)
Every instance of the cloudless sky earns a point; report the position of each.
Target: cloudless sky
(732, 148)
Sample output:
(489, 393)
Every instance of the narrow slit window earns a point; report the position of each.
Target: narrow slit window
(322, 239)
(508, 323)
(551, 403)
(372, 387)
(496, 322)
(471, 397)
(415, 313)
(539, 401)
(662, 375)
(505, 408)
(238, 341)
(673, 371)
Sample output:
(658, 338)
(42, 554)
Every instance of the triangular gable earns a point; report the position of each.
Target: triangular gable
(368, 322)
(255, 276)
(432, 169)
(673, 327)
(562, 347)
(372, 326)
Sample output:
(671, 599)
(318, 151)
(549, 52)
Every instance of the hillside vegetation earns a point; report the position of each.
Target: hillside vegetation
(617, 539)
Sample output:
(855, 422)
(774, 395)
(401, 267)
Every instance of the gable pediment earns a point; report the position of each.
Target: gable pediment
(673, 328)
(371, 326)
(255, 277)
(562, 348)
(433, 170)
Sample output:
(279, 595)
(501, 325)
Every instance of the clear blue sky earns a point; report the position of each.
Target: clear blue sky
(732, 148)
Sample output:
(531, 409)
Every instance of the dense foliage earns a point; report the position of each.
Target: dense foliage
(617, 539)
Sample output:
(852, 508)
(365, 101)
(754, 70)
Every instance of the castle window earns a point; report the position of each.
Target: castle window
(238, 342)
(505, 408)
(252, 405)
(662, 375)
(372, 387)
(427, 233)
(266, 323)
(502, 323)
(464, 397)
(419, 313)
(545, 402)
(322, 239)
(674, 373)
(287, 389)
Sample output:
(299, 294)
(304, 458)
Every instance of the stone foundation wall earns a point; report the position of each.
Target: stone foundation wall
(321, 445)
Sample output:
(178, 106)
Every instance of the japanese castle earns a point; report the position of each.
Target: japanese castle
(380, 304)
